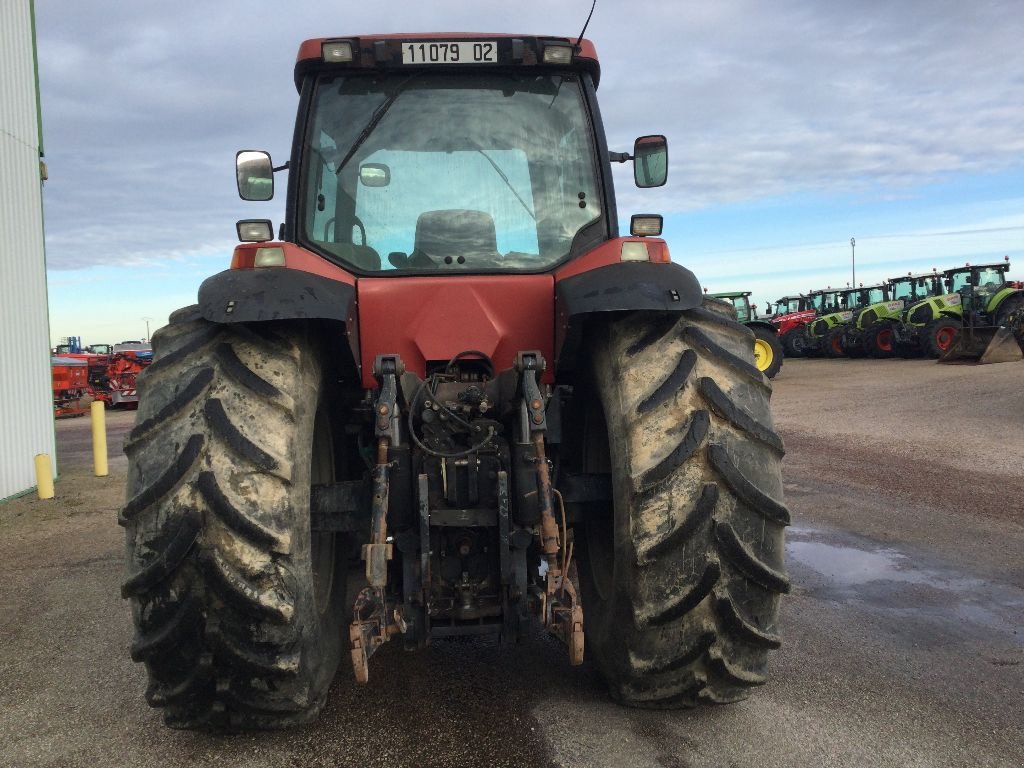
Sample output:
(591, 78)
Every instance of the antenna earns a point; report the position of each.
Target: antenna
(586, 24)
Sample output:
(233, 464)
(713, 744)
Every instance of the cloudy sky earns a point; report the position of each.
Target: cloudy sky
(793, 125)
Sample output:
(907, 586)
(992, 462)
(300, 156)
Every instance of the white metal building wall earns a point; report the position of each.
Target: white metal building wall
(26, 402)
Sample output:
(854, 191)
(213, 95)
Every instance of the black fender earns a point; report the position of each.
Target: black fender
(274, 293)
(625, 287)
(279, 293)
(763, 324)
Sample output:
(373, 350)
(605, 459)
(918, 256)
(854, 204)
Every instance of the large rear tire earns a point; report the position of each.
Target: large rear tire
(1015, 322)
(682, 575)
(1010, 306)
(832, 342)
(939, 335)
(880, 340)
(237, 605)
(794, 342)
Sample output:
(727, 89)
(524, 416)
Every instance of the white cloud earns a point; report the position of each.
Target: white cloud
(145, 104)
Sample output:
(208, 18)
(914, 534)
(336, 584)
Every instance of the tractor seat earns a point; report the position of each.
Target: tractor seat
(362, 256)
(454, 238)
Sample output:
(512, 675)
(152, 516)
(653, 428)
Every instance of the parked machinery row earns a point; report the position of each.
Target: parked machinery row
(968, 312)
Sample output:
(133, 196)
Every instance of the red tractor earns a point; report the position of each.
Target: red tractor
(791, 316)
(450, 400)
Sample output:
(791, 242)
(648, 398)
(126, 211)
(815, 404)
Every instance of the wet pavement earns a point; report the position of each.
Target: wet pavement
(849, 569)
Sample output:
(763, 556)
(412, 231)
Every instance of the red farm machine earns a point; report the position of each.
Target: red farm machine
(115, 380)
(75, 369)
(70, 377)
(450, 400)
(791, 316)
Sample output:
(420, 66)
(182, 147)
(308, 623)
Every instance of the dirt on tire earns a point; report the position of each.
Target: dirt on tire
(220, 556)
(682, 582)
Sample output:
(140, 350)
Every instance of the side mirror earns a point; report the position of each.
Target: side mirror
(374, 175)
(650, 161)
(255, 175)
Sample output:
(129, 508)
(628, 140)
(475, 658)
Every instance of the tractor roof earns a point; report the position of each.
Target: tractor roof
(852, 289)
(731, 294)
(1004, 265)
(385, 53)
(918, 276)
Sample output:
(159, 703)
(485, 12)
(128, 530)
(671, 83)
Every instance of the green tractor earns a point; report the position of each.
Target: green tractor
(932, 325)
(930, 317)
(830, 329)
(831, 308)
(869, 333)
(990, 314)
(768, 352)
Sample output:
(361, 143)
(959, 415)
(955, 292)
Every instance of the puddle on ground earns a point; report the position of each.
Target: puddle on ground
(849, 566)
(852, 569)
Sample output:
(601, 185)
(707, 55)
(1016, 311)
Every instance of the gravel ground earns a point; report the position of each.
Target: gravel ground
(904, 633)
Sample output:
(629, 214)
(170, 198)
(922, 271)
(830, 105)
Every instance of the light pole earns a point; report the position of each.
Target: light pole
(853, 259)
(146, 320)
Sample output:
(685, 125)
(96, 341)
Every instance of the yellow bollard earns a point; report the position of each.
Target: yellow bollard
(99, 437)
(44, 476)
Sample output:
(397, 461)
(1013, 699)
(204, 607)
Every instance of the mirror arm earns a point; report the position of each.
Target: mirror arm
(280, 168)
(619, 157)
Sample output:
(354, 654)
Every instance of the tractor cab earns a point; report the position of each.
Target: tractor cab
(740, 300)
(864, 296)
(825, 301)
(789, 304)
(454, 157)
(913, 288)
(976, 283)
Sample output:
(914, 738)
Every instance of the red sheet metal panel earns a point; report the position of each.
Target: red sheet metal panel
(434, 318)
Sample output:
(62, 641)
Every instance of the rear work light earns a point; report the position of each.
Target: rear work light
(337, 52)
(645, 224)
(556, 53)
(254, 230)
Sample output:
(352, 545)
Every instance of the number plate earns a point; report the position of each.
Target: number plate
(450, 53)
